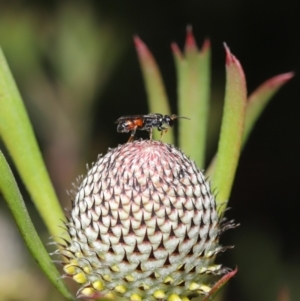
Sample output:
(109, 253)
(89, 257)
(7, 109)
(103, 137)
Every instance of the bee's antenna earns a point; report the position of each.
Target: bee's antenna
(175, 117)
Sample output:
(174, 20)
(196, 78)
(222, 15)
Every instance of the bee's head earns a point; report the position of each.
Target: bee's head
(169, 120)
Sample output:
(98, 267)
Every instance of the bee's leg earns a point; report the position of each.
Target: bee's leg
(163, 130)
(131, 138)
(150, 134)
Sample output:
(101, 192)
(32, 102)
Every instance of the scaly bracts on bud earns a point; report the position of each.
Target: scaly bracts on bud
(144, 226)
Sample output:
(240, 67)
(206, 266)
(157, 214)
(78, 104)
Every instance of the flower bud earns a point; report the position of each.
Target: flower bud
(144, 226)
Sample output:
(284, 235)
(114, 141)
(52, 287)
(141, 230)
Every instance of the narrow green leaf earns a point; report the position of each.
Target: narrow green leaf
(10, 192)
(17, 133)
(156, 92)
(257, 101)
(193, 75)
(232, 128)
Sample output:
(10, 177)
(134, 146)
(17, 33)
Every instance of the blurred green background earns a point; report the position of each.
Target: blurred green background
(76, 67)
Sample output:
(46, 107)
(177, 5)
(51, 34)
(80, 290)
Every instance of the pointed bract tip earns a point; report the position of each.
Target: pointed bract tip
(142, 49)
(280, 79)
(176, 50)
(230, 58)
(206, 45)
(219, 284)
(190, 39)
(138, 42)
(189, 29)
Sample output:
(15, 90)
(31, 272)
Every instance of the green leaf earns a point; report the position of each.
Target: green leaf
(156, 92)
(232, 128)
(193, 75)
(17, 133)
(9, 190)
(258, 100)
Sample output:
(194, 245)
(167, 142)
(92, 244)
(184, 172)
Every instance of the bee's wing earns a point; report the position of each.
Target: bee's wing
(153, 116)
(129, 117)
(121, 119)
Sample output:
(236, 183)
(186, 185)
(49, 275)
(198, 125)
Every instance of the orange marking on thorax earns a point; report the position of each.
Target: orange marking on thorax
(138, 122)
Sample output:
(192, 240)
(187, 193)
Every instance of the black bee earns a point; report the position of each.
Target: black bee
(132, 123)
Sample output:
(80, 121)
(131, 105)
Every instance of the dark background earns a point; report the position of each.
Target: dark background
(264, 36)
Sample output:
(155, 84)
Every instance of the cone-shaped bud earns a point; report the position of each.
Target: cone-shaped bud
(144, 226)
